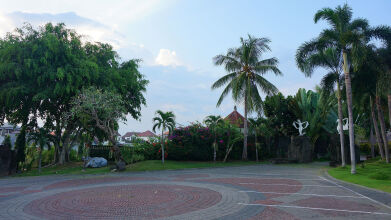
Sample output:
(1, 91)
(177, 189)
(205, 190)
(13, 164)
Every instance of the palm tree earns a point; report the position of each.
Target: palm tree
(308, 59)
(163, 121)
(40, 138)
(245, 76)
(212, 122)
(385, 86)
(348, 37)
(365, 83)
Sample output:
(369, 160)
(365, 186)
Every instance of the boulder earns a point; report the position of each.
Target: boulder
(96, 162)
(300, 149)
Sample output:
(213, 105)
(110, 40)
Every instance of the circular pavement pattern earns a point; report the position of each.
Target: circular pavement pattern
(124, 201)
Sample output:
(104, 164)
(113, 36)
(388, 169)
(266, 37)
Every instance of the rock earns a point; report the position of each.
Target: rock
(300, 149)
(120, 166)
(96, 162)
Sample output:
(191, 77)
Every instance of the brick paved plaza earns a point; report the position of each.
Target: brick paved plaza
(251, 192)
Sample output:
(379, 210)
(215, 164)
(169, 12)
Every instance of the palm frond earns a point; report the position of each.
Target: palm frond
(224, 80)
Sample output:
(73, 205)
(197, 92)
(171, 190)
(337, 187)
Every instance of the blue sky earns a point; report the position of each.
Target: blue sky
(177, 40)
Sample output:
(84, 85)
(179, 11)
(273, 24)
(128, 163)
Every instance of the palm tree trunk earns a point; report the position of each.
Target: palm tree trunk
(163, 146)
(389, 107)
(372, 142)
(244, 154)
(350, 112)
(40, 160)
(256, 147)
(374, 121)
(341, 134)
(382, 128)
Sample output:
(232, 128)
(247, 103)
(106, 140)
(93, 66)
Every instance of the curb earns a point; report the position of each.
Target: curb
(326, 174)
(348, 185)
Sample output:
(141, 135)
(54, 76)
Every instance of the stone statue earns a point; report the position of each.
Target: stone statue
(299, 126)
(345, 125)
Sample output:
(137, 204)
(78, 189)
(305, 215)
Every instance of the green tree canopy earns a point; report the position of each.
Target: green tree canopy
(42, 69)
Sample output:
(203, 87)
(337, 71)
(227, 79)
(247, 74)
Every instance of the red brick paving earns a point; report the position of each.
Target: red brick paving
(127, 201)
(255, 184)
(12, 189)
(190, 176)
(80, 182)
(270, 213)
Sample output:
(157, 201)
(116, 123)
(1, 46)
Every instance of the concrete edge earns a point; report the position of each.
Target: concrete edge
(326, 174)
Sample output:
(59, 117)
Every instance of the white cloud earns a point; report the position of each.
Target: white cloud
(108, 12)
(167, 57)
(6, 24)
(174, 107)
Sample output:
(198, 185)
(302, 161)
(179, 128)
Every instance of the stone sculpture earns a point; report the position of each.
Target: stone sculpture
(345, 125)
(299, 126)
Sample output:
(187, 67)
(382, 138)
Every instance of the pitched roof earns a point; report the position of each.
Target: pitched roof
(146, 134)
(235, 118)
(140, 134)
(129, 134)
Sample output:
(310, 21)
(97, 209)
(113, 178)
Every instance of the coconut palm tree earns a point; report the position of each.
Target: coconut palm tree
(163, 121)
(212, 122)
(308, 59)
(348, 36)
(245, 76)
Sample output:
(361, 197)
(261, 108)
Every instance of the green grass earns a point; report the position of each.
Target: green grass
(149, 165)
(375, 174)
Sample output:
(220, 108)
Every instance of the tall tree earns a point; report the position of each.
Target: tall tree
(41, 70)
(308, 59)
(212, 122)
(163, 121)
(347, 36)
(245, 76)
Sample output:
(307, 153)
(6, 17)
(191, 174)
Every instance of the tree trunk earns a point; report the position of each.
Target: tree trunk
(64, 149)
(372, 142)
(214, 151)
(61, 160)
(163, 145)
(214, 146)
(340, 119)
(55, 156)
(244, 154)
(256, 147)
(40, 160)
(382, 128)
(377, 133)
(227, 153)
(389, 108)
(350, 112)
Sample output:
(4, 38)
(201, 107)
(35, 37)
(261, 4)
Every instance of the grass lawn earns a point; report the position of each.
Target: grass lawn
(375, 174)
(149, 165)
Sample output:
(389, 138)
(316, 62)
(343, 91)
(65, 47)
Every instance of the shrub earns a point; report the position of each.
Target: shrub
(47, 156)
(380, 175)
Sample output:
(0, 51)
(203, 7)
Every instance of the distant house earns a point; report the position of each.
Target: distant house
(9, 130)
(235, 118)
(131, 136)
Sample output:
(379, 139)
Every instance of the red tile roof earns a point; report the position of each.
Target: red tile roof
(129, 134)
(235, 118)
(146, 134)
(140, 134)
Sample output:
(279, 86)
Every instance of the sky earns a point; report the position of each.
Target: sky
(177, 40)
